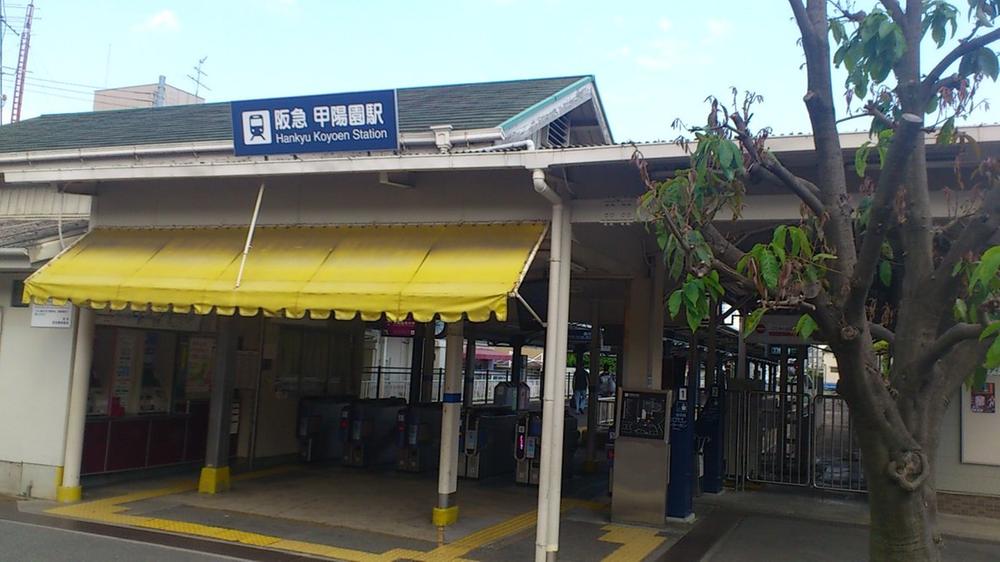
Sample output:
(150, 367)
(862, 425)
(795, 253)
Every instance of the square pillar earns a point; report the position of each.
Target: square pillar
(215, 474)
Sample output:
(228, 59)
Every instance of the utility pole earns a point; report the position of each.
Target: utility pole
(22, 65)
(198, 85)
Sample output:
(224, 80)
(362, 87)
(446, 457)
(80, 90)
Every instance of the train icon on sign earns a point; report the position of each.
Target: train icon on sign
(256, 127)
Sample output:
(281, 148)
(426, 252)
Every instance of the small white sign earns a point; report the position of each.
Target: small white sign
(51, 316)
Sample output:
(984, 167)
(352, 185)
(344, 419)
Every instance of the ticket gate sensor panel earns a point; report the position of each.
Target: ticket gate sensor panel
(369, 428)
(514, 398)
(319, 430)
(528, 447)
(418, 437)
(486, 445)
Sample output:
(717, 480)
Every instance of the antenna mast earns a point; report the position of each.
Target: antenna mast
(198, 85)
(22, 65)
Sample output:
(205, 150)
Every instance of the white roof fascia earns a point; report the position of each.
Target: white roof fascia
(229, 166)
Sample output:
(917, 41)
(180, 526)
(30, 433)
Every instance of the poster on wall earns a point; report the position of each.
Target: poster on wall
(124, 367)
(201, 352)
(984, 400)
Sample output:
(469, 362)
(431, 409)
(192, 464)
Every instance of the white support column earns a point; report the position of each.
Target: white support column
(69, 489)
(555, 446)
(551, 374)
(446, 511)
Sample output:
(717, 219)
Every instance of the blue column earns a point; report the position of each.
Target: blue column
(680, 491)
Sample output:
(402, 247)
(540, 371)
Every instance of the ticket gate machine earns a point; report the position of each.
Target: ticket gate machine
(369, 431)
(418, 437)
(486, 447)
(528, 446)
(319, 431)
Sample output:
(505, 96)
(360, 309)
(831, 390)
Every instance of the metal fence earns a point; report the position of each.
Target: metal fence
(837, 453)
(783, 438)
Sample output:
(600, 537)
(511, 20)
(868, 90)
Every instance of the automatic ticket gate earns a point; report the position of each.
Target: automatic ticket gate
(511, 396)
(528, 446)
(319, 430)
(369, 431)
(486, 447)
(418, 437)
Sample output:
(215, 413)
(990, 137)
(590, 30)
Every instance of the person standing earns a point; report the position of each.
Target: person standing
(581, 380)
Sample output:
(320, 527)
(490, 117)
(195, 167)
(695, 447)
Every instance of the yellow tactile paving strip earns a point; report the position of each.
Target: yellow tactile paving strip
(636, 543)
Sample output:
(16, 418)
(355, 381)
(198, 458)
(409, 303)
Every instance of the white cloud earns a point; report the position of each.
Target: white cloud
(668, 53)
(665, 24)
(164, 20)
(718, 28)
(621, 52)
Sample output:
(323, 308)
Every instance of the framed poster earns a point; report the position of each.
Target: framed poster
(984, 399)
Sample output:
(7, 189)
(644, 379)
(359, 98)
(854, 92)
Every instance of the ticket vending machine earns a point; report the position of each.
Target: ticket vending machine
(528, 446)
(370, 435)
(485, 442)
(641, 456)
(418, 437)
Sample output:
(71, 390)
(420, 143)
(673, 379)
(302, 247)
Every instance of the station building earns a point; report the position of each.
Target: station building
(217, 295)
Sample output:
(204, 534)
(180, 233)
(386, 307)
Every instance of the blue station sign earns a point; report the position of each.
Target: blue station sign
(356, 122)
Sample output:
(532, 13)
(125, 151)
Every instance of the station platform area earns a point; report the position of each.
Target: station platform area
(338, 513)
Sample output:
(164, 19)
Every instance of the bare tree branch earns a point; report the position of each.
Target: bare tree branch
(946, 341)
(802, 19)
(804, 190)
(892, 6)
(882, 208)
(931, 80)
(882, 333)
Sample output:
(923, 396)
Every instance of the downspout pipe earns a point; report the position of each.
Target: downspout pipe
(548, 492)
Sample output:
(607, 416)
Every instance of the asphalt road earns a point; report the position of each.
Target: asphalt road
(20, 542)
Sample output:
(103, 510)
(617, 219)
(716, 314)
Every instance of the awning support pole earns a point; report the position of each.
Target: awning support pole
(69, 486)
(253, 225)
(446, 511)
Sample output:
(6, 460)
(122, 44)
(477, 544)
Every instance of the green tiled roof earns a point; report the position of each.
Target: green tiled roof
(464, 106)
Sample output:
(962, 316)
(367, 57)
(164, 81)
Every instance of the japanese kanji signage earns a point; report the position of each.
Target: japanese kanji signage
(358, 121)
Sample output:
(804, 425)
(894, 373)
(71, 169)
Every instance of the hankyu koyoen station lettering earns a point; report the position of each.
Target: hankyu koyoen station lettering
(360, 121)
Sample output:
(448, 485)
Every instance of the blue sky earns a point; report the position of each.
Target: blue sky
(653, 61)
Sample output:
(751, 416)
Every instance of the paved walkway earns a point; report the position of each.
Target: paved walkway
(344, 514)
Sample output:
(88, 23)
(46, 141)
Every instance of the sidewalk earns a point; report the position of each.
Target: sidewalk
(792, 526)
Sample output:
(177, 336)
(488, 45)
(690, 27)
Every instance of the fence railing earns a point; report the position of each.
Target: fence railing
(386, 382)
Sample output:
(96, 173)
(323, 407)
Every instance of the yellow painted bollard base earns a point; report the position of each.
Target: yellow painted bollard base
(213, 480)
(69, 494)
(444, 516)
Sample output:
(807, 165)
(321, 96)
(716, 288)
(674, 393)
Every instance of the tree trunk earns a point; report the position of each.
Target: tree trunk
(902, 522)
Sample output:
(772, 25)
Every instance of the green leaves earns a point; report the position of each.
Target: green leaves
(993, 355)
(938, 17)
(805, 326)
(861, 158)
(870, 52)
(981, 61)
(696, 296)
(986, 270)
(885, 273)
(752, 320)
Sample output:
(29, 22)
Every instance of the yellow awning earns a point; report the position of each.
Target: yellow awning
(448, 270)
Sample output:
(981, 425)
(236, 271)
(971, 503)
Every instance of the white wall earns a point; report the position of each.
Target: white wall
(952, 474)
(34, 378)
